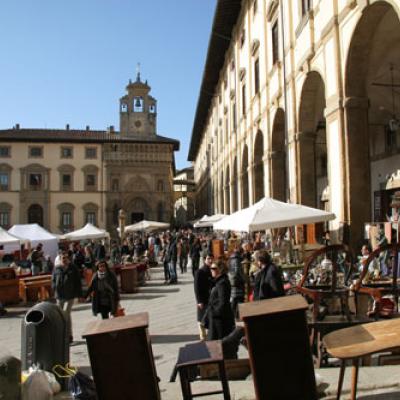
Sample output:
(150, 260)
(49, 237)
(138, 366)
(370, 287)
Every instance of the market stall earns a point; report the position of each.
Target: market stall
(146, 226)
(208, 221)
(88, 232)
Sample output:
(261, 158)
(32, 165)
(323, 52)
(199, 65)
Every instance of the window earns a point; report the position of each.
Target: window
(390, 138)
(244, 100)
(255, 7)
(66, 219)
(242, 38)
(5, 151)
(90, 152)
(4, 219)
(35, 181)
(152, 109)
(124, 107)
(66, 181)
(66, 211)
(90, 217)
(275, 43)
(90, 180)
(256, 76)
(35, 151)
(305, 6)
(66, 152)
(160, 185)
(234, 116)
(4, 181)
(115, 185)
(138, 104)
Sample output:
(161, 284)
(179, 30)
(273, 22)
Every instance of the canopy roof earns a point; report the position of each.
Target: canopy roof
(208, 221)
(146, 226)
(7, 238)
(269, 213)
(89, 231)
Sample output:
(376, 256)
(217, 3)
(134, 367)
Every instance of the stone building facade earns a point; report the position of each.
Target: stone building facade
(62, 179)
(300, 102)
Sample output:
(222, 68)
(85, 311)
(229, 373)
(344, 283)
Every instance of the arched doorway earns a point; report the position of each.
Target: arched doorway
(258, 167)
(234, 186)
(245, 178)
(35, 214)
(138, 210)
(278, 157)
(227, 192)
(372, 110)
(312, 150)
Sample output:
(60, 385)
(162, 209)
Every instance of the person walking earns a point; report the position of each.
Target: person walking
(173, 259)
(183, 250)
(66, 284)
(268, 281)
(104, 290)
(37, 259)
(236, 279)
(221, 321)
(195, 255)
(202, 288)
(165, 258)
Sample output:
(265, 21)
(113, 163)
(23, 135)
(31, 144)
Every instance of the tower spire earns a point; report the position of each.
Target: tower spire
(138, 72)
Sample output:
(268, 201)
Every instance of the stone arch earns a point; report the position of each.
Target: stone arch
(227, 196)
(312, 146)
(234, 186)
(137, 209)
(371, 140)
(258, 167)
(278, 157)
(245, 177)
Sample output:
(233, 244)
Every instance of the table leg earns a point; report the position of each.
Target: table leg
(185, 384)
(222, 376)
(354, 378)
(341, 376)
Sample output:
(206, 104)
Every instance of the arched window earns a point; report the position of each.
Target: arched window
(66, 213)
(90, 212)
(5, 215)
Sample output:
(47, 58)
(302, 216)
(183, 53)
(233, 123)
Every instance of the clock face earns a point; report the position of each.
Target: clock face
(138, 124)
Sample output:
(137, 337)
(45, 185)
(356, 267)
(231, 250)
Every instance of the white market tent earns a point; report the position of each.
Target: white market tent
(208, 221)
(147, 226)
(88, 232)
(269, 214)
(36, 234)
(10, 242)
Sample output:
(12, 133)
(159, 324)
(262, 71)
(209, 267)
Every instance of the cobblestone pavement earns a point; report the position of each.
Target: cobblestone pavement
(172, 318)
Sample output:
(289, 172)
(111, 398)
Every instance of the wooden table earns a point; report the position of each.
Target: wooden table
(359, 341)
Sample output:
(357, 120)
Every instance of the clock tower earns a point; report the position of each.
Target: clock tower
(138, 110)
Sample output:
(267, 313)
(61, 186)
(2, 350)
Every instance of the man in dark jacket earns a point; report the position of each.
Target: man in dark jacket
(173, 259)
(66, 284)
(202, 288)
(236, 279)
(268, 282)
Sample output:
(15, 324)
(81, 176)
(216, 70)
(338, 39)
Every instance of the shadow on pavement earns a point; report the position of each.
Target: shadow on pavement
(140, 297)
(158, 339)
(150, 290)
(382, 396)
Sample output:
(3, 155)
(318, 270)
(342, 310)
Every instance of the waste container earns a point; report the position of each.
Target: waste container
(10, 378)
(44, 337)
(129, 279)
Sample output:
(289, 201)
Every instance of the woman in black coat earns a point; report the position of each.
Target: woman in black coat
(221, 321)
(104, 287)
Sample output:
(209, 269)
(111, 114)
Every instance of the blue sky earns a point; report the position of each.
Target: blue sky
(68, 61)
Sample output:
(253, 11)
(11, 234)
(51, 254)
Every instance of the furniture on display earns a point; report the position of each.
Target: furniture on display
(388, 281)
(129, 278)
(121, 358)
(198, 354)
(8, 286)
(218, 248)
(35, 288)
(359, 341)
(279, 348)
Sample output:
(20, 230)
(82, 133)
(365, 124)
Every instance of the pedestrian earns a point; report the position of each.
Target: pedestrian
(268, 281)
(183, 251)
(37, 259)
(236, 279)
(195, 255)
(221, 321)
(202, 289)
(165, 258)
(173, 259)
(104, 290)
(115, 254)
(66, 284)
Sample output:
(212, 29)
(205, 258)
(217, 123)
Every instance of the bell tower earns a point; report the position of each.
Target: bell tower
(138, 110)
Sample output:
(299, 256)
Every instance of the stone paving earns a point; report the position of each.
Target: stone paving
(172, 317)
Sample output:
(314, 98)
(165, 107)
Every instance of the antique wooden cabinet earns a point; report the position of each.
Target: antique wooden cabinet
(279, 349)
(122, 359)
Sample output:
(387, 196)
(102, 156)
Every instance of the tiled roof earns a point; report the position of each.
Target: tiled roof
(77, 136)
(225, 18)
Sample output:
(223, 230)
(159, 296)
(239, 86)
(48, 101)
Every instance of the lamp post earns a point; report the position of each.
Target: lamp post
(121, 223)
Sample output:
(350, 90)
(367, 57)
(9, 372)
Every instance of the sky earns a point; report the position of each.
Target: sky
(69, 61)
